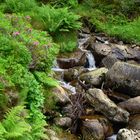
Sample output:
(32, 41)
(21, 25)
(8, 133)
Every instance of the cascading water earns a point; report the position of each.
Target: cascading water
(90, 58)
(91, 61)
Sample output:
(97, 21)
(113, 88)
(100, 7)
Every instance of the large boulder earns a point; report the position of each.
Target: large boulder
(96, 129)
(63, 122)
(132, 105)
(95, 77)
(125, 78)
(120, 52)
(126, 134)
(61, 95)
(109, 61)
(77, 58)
(100, 51)
(71, 74)
(125, 52)
(134, 122)
(103, 104)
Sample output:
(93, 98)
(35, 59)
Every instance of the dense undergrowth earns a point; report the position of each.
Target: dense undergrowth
(31, 35)
(119, 18)
(23, 52)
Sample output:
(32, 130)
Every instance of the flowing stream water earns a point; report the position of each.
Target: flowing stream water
(90, 58)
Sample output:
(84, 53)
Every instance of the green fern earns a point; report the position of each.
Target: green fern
(15, 126)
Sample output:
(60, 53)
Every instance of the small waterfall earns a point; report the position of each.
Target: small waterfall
(91, 60)
(56, 68)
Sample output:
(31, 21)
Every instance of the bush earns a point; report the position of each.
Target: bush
(56, 20)
(23, 49)
(64, 3)
(67, 41)
(15, 6)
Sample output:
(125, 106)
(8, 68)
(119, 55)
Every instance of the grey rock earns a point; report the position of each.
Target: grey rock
(125, 78)
(132, 105)
(77, 58)
(95, 77)
(52, 135)
(71, 74)
(109, 61)
(126, 134)
(63, 122)
(103, 104)
(61, 95)
(134, 122)
(92, 130)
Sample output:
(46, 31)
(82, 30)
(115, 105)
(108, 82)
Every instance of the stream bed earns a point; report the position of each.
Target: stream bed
(101, 89)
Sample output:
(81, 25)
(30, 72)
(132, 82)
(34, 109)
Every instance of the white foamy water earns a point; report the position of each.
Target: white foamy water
(91, 60)
(113, 137)
(68, 86)
(89, 55)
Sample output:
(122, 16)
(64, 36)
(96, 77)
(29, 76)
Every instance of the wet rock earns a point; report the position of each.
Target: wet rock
(71, 74)
(68, 88)
(109, 61)
(125, 78)
(100, 50)
(96, 128)
(134, 122)
(67, 109)
(78, 58)
(52, 135)
(95, 77)
(118, 51)
(125, 52)
(92, 130)
(103, 104)
(61, 95)
(126, 134)
(117, 97)
(63, 122)
(132, 105)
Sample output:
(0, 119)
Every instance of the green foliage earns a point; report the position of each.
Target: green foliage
(128, 32)
(55, 20)
(63, 3)
(15, 6)
(45, 80)
(116, 18)
(67, 41)
(50, 100)
(15, 125)
(23, 48)
(18, 38)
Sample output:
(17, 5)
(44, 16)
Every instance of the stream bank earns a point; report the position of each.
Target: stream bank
(99, 89)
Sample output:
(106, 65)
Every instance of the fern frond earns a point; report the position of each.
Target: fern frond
(15, 124)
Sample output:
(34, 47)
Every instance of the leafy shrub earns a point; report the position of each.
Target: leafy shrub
(67, 41)
(55, 20)
(63, 3)
(22, 46)
(15, 125)
(15, 6)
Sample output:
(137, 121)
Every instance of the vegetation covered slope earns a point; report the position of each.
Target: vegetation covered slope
(23, 51)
